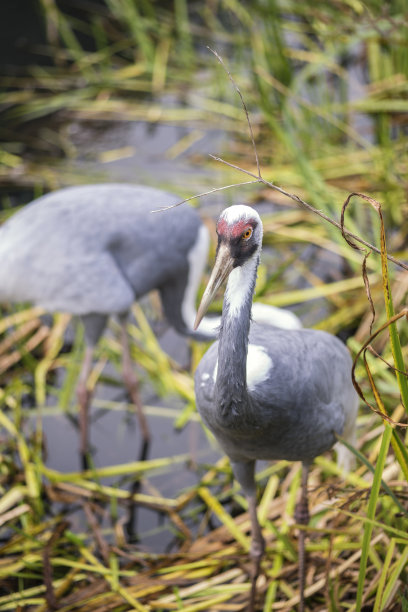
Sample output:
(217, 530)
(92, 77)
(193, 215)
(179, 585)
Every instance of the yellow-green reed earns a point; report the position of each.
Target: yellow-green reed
(293, 63)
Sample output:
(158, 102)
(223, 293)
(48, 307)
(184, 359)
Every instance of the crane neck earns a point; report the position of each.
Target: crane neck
(231, 393)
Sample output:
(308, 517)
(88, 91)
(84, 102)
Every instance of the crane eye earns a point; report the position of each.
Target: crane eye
(247, 234)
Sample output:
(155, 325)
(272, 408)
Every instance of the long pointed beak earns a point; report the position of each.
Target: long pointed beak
(222, 268)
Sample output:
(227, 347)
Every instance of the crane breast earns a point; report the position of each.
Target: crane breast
(296, 380)
(258, 368)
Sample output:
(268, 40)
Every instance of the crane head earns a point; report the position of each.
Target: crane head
(239, 230)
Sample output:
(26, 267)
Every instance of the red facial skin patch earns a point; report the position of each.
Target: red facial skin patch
(238, 229)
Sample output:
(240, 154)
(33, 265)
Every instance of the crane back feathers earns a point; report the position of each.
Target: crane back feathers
(97, 248)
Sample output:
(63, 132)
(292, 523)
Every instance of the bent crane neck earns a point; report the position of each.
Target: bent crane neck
(231, 393)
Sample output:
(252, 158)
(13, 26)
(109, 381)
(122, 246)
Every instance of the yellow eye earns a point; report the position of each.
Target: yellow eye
(247, 234)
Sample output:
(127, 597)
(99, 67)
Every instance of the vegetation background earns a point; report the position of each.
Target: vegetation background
(128, 90)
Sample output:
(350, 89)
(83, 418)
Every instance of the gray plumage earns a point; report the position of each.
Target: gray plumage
(93, 250)
(293, 414)
(268, 393)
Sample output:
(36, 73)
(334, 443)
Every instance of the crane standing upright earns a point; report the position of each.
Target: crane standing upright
(268, 393)
(93, 250)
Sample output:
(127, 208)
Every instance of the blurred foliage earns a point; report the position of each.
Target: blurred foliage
(326, 86)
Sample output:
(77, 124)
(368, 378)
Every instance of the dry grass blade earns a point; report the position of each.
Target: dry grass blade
(47, 569)
(18, 318)
(355, 246)
(304, 112)
(11, 359)
(224, 517)
(11, 515)
(403, 313)
(18, 334)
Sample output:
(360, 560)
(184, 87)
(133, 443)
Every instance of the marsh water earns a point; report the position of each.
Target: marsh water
(139, 155)
(168, 157)
(136, 152)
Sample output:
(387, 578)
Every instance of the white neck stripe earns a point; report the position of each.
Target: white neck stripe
(239, 286)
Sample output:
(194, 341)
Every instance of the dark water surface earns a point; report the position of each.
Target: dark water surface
(139, 153)
(150, 154)
(115, 439)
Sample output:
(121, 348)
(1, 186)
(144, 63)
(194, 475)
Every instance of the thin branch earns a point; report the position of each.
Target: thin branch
(259, 179)
(199, 195)
(299, 200)
(389, 365)
(219, 58)
(377, 207)
(363, 350)
(347, 235)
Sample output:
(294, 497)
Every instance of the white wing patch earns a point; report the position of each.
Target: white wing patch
(259, 365)
(278, 317)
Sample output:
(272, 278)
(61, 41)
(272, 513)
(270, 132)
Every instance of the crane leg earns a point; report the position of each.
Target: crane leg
(257, 548)
(84, 397)
(302, 518)
(132, 384)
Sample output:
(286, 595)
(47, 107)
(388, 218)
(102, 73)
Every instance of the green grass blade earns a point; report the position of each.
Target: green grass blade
(401, 452)
(372, 504)
(399, 567)
(370, 466)
(223, 516)
(383, 577)
(394, 338)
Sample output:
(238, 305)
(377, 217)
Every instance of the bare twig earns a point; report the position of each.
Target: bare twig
(367, 346)
(244, 107)
(94, 525)
(47, 566)
(387, 363)
(311, 208)
(377, 206)
(259, 179)
(199, 195)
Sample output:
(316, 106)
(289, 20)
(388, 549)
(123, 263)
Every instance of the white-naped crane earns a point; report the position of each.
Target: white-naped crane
(93, 250)
(268, 393)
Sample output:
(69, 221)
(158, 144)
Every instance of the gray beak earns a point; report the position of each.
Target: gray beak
(222, 268)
